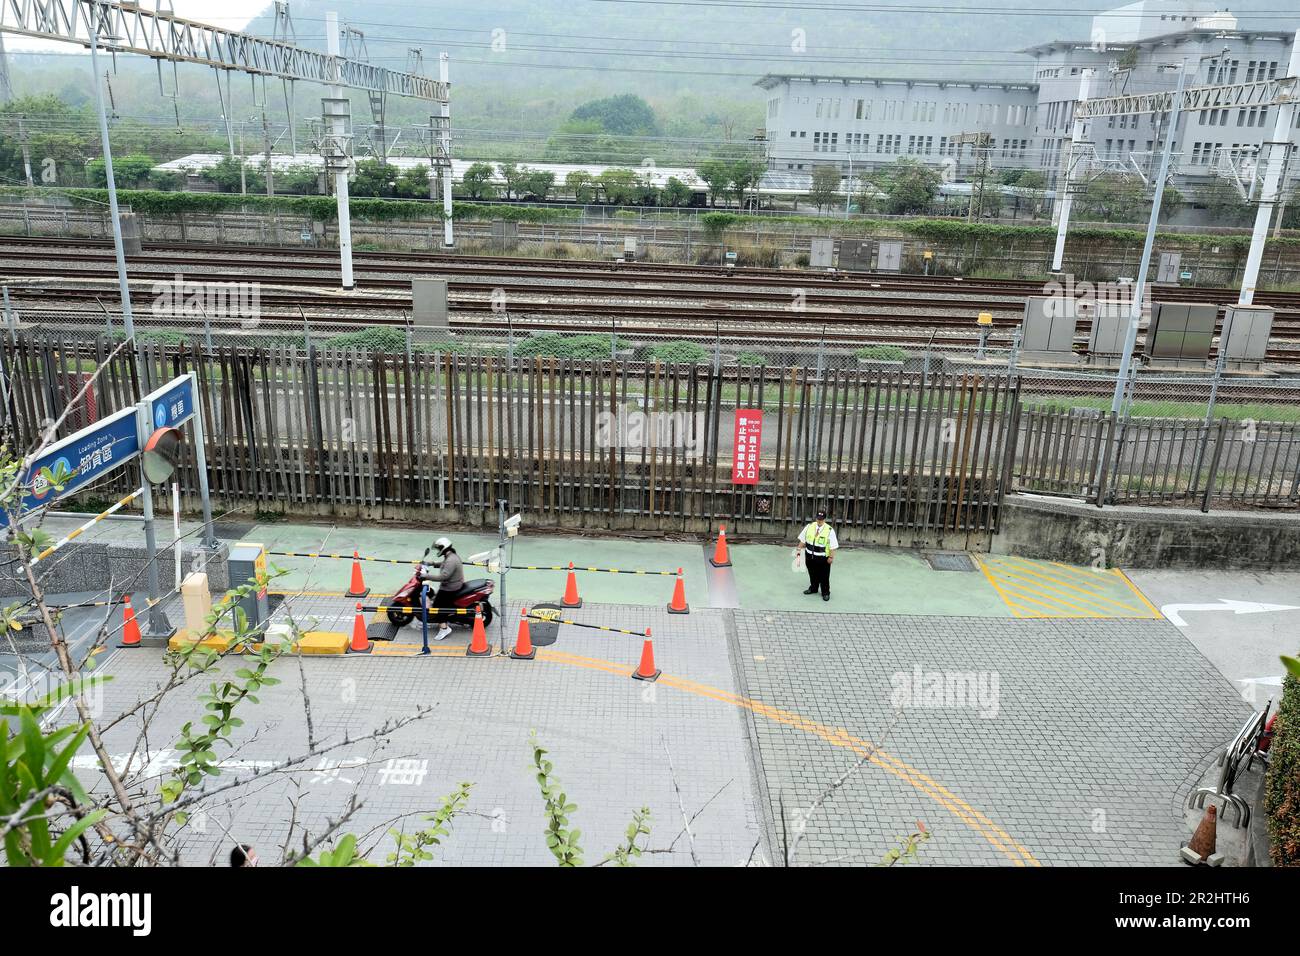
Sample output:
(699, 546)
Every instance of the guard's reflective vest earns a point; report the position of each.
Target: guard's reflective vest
(816, 542)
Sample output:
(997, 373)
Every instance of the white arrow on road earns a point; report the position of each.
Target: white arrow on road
(1173, 611)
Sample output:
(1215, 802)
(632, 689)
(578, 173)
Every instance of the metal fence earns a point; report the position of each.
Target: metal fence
(600, 444)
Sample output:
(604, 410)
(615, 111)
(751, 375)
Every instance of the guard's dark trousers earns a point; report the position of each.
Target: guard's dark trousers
(819, 573)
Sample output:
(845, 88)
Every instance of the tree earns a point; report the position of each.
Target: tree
(413, 183)
(477, 181)
(537, 184)
(512, 175)
(909, 186)
(373, 178)
(626, 115)
(825, 186)
(1117, 198)
(128, 171)
(225, 175)
(746, 174)
(581, 185)
(300, 180)
(617, 186)
(716, 174)
(1224, 203)
(676, 193)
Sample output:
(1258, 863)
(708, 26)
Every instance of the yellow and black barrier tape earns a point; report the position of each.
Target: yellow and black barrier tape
(548, 618)
(382, 608)
(338, 556)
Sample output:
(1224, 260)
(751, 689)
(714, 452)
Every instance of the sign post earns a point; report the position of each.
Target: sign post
(170, 407)
(157, 627)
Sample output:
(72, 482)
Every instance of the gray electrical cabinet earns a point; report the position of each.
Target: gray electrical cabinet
(855, 254)
(629, 248)
(247, 562)
(1246, 330)
(889, 256)
(821, 254)
(429, 303)
(1180, 333)
(1170, 266)
(1109, 324)
(1047, 330)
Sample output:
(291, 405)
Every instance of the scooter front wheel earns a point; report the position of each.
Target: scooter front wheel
(487, 613)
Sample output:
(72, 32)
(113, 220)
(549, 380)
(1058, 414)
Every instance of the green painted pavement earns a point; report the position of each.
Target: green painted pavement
(865, 580)
(326, 574)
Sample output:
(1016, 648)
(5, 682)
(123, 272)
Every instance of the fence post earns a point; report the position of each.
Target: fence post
(1104, 468)
(1214, 465)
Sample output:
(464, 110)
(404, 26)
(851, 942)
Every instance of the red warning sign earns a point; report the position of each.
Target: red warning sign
(748, 443)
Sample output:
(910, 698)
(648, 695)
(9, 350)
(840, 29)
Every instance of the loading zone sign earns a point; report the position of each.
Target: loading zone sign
(90, 453)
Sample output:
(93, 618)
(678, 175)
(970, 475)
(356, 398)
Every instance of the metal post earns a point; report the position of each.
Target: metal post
(176, 530)
(11, 320)
(1277, 147)
(448, 239)
(340, 175)
(1065, 201)
(424, 617)
(503, 566)
(157, 626)
(208, 540)
(27, 150)
(120, 254)
(1135, 310)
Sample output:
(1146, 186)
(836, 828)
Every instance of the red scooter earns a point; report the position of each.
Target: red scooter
(405, 606)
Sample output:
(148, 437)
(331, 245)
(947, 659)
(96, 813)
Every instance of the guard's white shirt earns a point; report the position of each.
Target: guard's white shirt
(810, 533)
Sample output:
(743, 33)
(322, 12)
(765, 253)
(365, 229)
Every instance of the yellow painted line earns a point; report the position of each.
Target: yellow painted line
(993, 582)
(1032, 591)
(1056, 610)
(1038, 569)
(838, 737)
(1052, 594)
(1155, 611)
(1048, 589)
(338, 594)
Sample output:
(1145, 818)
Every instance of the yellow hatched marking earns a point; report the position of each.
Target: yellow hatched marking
(1155, 611)
(1055, 590)
(1054, 608)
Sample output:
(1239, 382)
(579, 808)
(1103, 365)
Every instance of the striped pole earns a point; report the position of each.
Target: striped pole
(86, 527)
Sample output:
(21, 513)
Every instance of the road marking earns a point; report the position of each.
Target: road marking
(1174, 612)
(1043, 589)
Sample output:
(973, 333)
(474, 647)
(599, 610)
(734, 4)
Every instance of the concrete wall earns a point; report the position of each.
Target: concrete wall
(98, 567)
(1131, 537)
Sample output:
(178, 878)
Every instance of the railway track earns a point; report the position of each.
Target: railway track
(456, 264)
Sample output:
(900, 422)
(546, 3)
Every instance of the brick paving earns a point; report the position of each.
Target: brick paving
(1099, 729)
(606, 733)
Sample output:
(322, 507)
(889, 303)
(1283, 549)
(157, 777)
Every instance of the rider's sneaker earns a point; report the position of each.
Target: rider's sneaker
(442, 634)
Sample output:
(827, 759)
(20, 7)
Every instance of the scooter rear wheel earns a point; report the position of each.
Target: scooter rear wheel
(400, 618)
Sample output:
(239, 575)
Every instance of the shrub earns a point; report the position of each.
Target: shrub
(558, 345)
(1282, 785)
(882, 353)
(751, 358)
(681, 351)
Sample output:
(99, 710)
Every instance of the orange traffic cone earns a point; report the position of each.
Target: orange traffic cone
(357, 589)
(1204, 840)
(646, 669)
(360, 642)
(721, 559)
(478, 645)
(524, 650)
(571, 598)
(130, 626)
(678, 604)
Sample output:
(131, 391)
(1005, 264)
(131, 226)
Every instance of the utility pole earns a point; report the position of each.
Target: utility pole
(1139, 287)
(444, 76)
(27, 151)
(1275, 162)
(266, 142)
(1064, 186)
(336, 112)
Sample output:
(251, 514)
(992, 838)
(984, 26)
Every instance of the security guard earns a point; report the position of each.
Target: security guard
(819, 543)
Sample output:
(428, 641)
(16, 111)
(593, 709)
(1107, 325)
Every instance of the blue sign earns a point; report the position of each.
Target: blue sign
(91, 453)
(172, 405)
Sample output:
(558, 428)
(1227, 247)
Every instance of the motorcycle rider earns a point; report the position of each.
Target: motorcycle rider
(448, 575)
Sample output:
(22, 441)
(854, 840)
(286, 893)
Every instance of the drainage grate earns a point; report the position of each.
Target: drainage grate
(950, 561)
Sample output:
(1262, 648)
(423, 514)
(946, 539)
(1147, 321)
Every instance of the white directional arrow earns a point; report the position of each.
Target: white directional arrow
(1173, 611)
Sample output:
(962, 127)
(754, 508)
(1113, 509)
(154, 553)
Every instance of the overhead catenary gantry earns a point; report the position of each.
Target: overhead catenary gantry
(1282, 93)
(162, 36)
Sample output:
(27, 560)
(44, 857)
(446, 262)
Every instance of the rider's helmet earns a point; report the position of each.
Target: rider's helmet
(443, 545)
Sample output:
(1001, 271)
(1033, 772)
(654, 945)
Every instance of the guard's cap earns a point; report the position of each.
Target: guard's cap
(821, 514)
